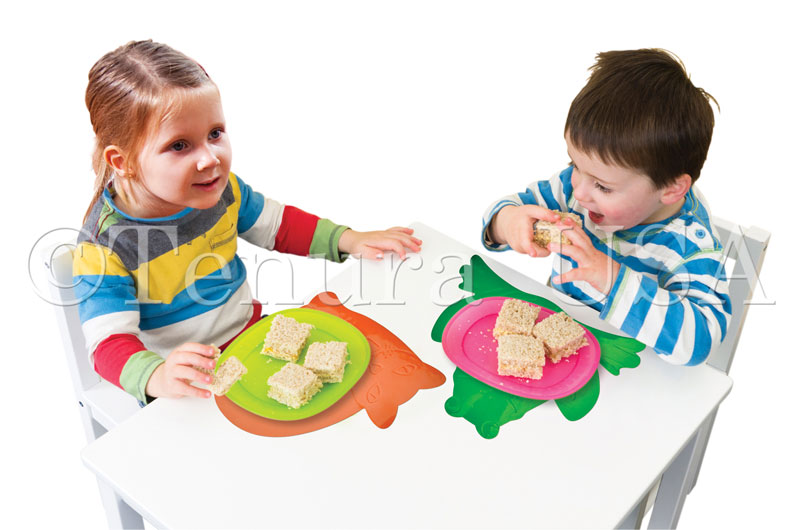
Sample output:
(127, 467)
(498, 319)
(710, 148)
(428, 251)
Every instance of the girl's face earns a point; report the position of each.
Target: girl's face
(617, 198)
(185, 162)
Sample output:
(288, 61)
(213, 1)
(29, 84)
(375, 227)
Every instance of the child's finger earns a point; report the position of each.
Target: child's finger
(185, 389)
(403, 229)
(540, 252)
(571, 251)
(188, 373)
(187, 358)
(196, 347)
(370, 253)
(572, 275)
(538, 212)
(575, 234)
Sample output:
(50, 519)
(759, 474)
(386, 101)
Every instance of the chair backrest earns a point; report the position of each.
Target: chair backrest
(58, 262)
(747, 247)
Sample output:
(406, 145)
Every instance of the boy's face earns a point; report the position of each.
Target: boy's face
(617, 198)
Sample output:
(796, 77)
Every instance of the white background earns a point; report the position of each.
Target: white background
(378, 114)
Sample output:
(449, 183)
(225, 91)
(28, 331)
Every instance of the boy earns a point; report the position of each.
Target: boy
(646, 256)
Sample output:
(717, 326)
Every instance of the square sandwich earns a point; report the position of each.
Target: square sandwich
(286, 338)
(520, 355)
(293, 385)
(561, 335)
(516, 317)
(327, 360)
(226, 375)
(545, 232)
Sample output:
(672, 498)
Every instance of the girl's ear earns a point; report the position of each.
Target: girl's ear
(115, 158)
(676, 190)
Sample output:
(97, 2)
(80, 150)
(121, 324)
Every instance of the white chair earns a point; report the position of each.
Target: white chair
(102, 405)
(745, 249)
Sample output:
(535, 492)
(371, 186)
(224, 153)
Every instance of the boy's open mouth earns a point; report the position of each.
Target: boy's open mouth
(596, 217)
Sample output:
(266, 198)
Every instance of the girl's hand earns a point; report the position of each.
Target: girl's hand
(371, 245)
(173, 377)
(595, 267)
(514, 225)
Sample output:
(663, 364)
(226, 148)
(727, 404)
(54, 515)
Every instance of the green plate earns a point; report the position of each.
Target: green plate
(250, 392)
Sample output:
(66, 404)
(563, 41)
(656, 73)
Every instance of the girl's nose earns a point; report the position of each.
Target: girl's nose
(207, 159)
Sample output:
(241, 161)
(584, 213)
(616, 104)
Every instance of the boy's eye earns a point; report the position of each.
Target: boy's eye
(215, 134)
(602, 188)
(178, 146)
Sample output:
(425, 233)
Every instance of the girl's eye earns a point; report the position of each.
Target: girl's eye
(602, 188)
(178, 146)
(215, 134)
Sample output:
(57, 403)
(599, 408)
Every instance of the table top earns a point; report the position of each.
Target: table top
(180, 463)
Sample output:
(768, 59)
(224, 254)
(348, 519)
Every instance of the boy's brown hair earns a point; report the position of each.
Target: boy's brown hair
(640, 110)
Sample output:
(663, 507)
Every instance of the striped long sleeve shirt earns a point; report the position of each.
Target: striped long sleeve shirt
(671, 292)
(147, 286)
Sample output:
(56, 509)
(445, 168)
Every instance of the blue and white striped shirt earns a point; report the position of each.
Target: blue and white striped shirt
(671, 292)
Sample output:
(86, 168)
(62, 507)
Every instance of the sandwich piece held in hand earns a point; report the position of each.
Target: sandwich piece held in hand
(561, 335)
(327, 360)
(293, 385)
(515, 317)
(226, 375)
(545, 232)
(520, 356)
(286, 338)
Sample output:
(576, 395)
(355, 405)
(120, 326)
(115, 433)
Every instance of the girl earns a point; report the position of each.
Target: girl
(156, 265)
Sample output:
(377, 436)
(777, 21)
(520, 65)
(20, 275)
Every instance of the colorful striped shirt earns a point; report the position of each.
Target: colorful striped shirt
(147, 286)
(671, 292)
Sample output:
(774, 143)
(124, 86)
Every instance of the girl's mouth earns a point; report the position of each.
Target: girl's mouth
(208, 185)
(596, 218)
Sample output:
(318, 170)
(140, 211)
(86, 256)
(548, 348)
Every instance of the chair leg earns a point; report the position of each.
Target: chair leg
(674, 486)
(705, 434)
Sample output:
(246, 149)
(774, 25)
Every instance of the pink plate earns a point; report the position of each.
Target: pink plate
(468, 342)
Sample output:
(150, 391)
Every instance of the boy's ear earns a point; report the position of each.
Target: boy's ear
(115, 158)
(676, 190)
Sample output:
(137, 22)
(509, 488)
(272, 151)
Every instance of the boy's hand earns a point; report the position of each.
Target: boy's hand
(595, 267)
(173, 377)
(371, 245)
(514, 225)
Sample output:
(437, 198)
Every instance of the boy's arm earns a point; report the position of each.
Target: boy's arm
(552, 194)
(685, 318)
(271, 225)
(109, 314)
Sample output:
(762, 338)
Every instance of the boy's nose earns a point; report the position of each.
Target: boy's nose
(579, 190)
(207, 159)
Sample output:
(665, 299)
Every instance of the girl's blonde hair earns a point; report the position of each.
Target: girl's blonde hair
(128, 93)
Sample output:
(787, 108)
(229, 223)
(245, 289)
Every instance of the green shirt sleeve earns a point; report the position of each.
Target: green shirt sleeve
(137, 371)
(326, 241)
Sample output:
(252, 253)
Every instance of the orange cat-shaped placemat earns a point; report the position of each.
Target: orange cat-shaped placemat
(394, 376)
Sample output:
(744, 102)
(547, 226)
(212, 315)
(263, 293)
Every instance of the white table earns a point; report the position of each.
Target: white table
(181, 464)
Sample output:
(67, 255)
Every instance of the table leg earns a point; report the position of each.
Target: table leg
(635, 516)
(705, 434)
(118, 513)
(675, 483)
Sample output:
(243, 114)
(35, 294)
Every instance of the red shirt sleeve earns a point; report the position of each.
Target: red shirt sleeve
(296, 231)
(112, 354)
